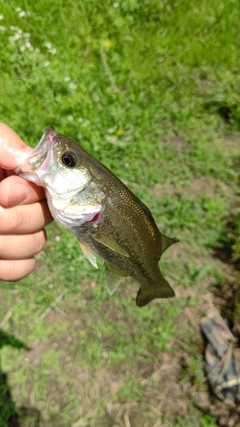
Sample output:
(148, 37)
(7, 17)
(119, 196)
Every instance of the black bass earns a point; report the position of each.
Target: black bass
(107, 218)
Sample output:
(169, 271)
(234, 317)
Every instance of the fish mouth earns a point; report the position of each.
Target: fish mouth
(48, 138)
(32, 163)
(41, 151)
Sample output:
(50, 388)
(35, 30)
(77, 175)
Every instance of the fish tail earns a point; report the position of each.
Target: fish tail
(161, 290)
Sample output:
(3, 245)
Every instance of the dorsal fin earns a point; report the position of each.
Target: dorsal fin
(167, 241)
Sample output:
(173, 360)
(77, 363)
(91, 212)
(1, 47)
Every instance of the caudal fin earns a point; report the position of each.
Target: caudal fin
(161, 290)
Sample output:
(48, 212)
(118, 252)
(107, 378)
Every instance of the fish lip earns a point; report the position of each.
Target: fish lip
(48, 138)
(32, 163)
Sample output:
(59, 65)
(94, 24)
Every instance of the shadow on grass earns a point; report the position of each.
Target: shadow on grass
(10, 416)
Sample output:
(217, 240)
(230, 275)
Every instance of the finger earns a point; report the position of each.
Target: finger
(16, 191)
(14, 270)
(24, 219)
(13, 150)
(21, 246)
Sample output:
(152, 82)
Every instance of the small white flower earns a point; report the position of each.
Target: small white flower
(112, 139)
(14, 38)
(1, 17)
(46, 63)
(80, 119)
(85, 123)
(2, 28)
(67, 79)
(27, 35)
(18, 9)
(47, 45)
(70, 118)
(116, 4)
(52, 51)
(72, 86)
(111, 130)
(22, 48)
(50, 48)
(29, 46)
(21, 14)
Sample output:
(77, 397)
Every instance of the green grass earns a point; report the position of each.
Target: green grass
(152, 89)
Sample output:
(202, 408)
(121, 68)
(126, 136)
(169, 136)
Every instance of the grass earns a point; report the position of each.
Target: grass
(152, 89)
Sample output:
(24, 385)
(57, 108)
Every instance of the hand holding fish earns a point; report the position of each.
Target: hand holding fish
(105, 216)
(23, 211)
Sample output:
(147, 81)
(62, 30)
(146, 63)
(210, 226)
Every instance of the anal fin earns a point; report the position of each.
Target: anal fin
(113, 277)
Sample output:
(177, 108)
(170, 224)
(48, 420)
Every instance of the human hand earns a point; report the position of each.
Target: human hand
(23, 211)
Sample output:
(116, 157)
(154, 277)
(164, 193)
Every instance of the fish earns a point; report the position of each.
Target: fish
(108, 220)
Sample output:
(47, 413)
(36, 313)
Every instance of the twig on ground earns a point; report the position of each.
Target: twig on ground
(6, 317)
(126, 420)
(9, 314)
(52, 306)
(83, 422)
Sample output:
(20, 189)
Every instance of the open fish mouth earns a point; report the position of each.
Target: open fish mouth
(31, 164)
(39, 158)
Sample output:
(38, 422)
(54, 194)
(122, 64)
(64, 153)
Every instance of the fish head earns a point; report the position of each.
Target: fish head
(62, 167)
(56, 164)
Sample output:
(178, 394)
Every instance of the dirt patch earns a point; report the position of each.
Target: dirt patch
(197, 187)
(175, 141)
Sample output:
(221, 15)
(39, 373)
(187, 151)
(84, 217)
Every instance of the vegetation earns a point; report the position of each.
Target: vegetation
(152, 89)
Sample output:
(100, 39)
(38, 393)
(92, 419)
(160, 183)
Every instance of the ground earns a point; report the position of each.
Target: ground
(108, 363)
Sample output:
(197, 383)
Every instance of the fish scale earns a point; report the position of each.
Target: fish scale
(107, 218)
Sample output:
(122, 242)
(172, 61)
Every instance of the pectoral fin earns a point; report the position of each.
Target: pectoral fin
(88, 253)
(109, 242)
(162, 290)
(113, 277)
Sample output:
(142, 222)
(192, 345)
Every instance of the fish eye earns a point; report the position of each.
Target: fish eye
(69, 159)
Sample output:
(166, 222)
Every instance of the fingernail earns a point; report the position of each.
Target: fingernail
(17, 194)
(22, 155)
(28, 150)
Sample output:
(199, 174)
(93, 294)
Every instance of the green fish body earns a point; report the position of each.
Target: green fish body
(106, 217)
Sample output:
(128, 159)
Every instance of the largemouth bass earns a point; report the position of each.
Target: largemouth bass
(106, 217)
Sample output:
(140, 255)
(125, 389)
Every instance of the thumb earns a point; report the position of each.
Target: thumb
(13, 150)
